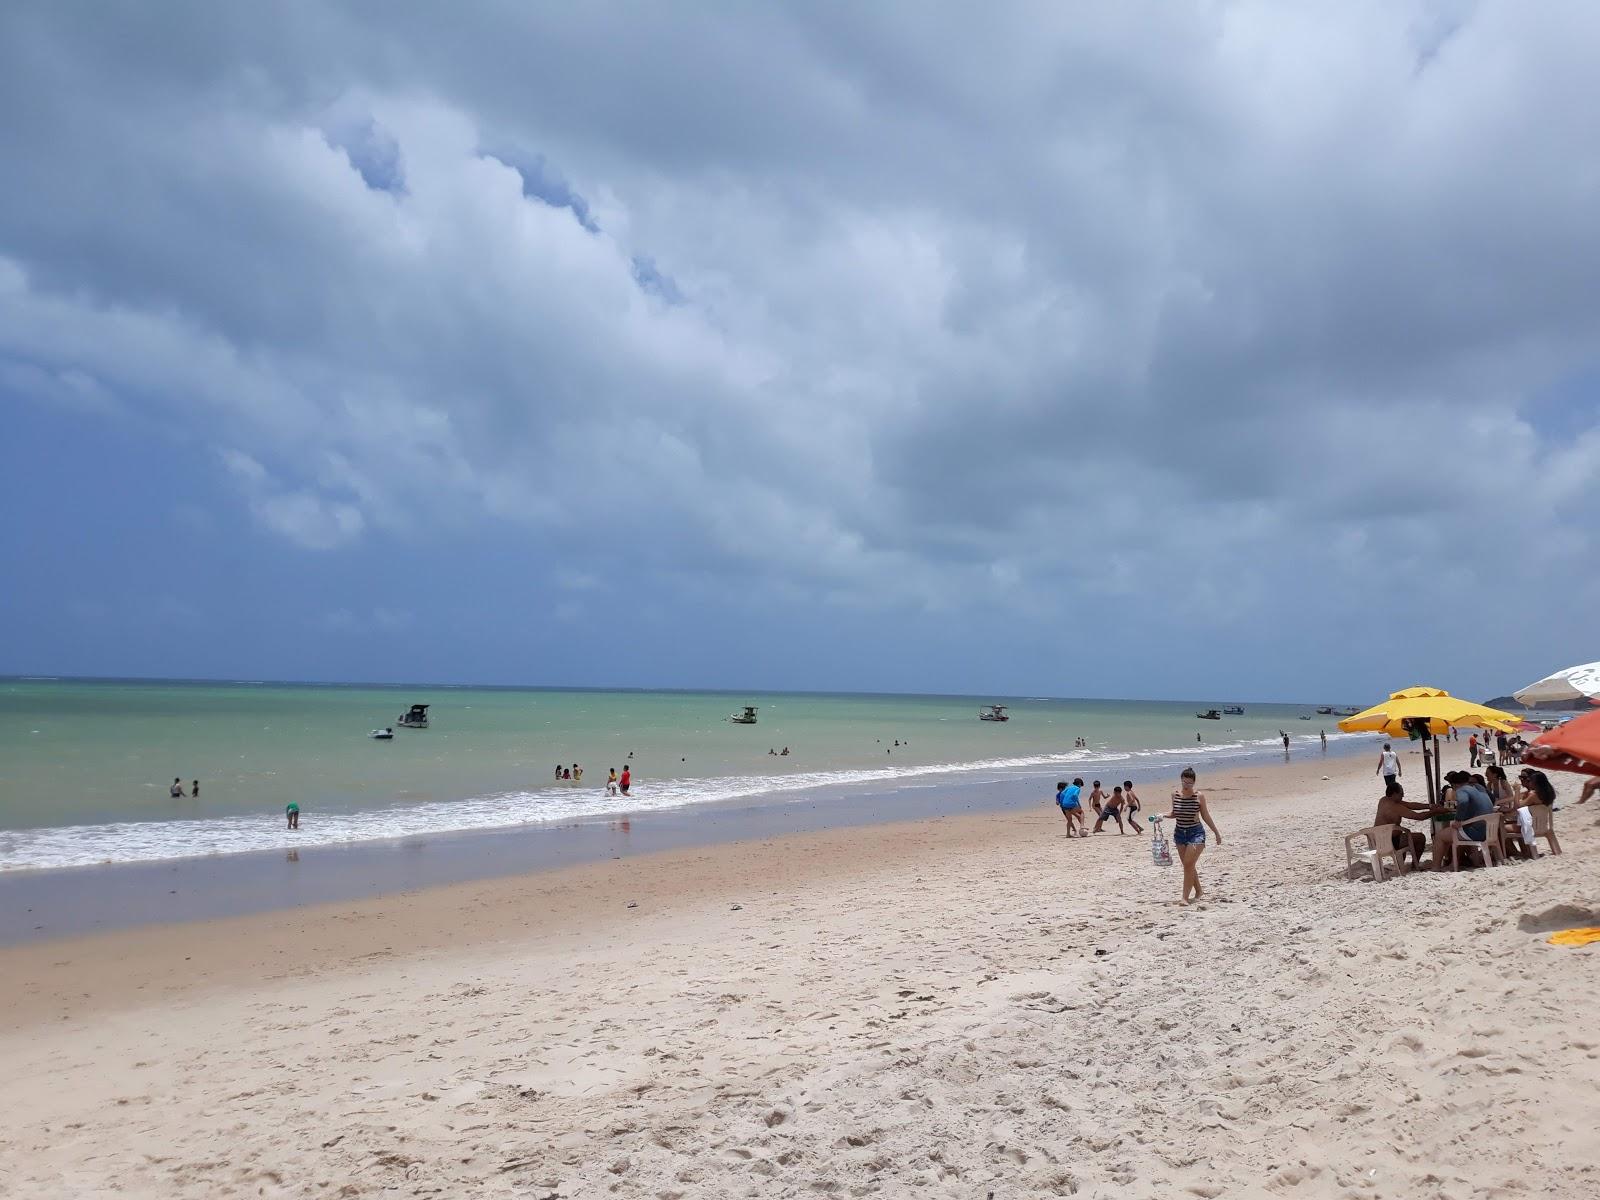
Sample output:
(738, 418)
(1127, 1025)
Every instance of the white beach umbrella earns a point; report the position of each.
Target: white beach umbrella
(1574, 685)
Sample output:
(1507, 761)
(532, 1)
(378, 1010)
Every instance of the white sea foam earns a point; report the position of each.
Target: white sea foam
(151, 841)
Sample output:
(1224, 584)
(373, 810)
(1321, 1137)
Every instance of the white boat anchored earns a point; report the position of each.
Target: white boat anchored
(385, 734)
(993, 712)
(415, 718)
(747, 717)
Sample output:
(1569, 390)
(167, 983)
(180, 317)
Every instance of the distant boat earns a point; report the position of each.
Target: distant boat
(1325, 710)
(382, 735)
(415, 718)
(747, 717)
(1233, 710)
(1345, 712)
(1210, 714)
(1305, 716)
(993, 712)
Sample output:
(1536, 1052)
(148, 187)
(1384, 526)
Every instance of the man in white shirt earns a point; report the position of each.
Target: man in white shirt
(1388, 765)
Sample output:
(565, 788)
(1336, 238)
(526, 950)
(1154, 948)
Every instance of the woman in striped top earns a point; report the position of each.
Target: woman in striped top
(1189, 834)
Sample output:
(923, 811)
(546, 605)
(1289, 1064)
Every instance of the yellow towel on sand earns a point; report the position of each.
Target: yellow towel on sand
(1575, 937)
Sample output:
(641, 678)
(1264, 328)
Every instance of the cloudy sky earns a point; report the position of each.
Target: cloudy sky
(1138, 350)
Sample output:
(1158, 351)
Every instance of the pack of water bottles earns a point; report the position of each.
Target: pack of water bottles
(1160, 852)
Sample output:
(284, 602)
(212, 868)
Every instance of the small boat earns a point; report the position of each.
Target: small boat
(1325, 711)
(993, 712)
(747, 717)
(1210, 714)
(383, 735)
(1345, 712)
(415, 718)
(1233, 710)
(1305, 716)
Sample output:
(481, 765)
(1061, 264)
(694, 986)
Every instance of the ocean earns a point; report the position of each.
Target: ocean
(86, 766)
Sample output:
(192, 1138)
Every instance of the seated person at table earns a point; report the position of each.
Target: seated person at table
(1536, 787)
(1470, 801)
(1394, 809)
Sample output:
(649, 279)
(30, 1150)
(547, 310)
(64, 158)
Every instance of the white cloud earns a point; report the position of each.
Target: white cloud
(309, 520)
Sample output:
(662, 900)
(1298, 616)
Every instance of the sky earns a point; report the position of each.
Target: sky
(1142, 350)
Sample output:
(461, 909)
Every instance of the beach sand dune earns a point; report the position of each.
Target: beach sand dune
(969, 1006)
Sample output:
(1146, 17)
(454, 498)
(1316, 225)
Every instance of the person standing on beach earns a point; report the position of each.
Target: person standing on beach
(1472, 751)
(292, 812)
(1324, 739)
(1131, 805)
(1388, 765)
(1071, 802)
(1286, 745)
(1190, 816)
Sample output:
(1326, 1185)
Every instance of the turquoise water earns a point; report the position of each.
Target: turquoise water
(87, 765)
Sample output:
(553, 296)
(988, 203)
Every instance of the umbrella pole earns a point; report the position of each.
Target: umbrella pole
(1428, 762)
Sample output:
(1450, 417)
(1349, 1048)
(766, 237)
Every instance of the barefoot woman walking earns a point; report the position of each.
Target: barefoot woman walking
(1188, 811)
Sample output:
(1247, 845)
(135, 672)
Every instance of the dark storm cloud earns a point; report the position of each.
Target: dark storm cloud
(884, 306)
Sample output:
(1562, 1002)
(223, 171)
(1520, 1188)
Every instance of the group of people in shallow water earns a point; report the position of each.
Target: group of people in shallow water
(615, 784)
(1188, 813)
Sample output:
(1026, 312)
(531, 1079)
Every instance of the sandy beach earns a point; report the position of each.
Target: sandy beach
(959, 1007)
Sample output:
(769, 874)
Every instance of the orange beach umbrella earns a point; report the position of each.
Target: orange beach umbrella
(1574, 746)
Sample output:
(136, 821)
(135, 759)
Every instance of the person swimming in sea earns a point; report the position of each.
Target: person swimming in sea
(195, 792)
(176, 790)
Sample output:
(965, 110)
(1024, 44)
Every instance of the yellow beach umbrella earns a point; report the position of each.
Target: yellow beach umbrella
(1408, 709)
(1430, 710)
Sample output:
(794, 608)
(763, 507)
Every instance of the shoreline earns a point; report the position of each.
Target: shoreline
(946, 1007)
(42, 904)
(591, 896)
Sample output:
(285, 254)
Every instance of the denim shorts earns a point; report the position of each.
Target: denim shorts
(1189, 835)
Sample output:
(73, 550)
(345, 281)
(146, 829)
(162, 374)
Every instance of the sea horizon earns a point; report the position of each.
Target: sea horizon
(708, 690)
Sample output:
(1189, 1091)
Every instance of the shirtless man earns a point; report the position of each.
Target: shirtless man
(1097, 798)
(1395, 809)
(1131, 805)
(1112, 810)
